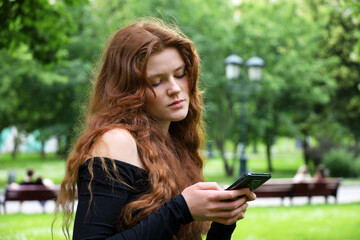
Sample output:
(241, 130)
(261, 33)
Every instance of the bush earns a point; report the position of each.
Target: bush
(340, 162)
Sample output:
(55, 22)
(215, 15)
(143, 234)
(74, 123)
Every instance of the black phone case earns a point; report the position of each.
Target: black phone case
(250, 180)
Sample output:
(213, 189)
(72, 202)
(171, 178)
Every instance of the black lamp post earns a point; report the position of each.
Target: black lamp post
(233, 65)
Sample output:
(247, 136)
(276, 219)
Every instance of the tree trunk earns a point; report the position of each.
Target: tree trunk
(43, 154)
(68, 144)
(229, 170)
(255, 150)
(306, 148)
(269, 142)
(17, 142)
(268, 156)
(64, 145)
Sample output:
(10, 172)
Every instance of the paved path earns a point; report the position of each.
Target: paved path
(346, 194)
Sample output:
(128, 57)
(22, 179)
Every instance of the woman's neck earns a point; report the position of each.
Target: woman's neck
(164, 126)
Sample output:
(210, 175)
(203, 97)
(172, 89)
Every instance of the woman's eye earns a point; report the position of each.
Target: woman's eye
(181, 76)
(157, 83)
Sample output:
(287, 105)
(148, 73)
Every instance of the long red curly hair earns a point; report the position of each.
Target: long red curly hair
(172, 160)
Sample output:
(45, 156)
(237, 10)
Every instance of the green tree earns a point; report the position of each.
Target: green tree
(42, 77)
(343, 34)
(42, 27)
(297, 87)
(27, 94)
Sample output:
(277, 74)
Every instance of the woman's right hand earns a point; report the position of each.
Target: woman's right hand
(209, 202)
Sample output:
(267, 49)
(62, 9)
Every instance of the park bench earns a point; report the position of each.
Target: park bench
(21, 193)
(282, 188)
(278, 190)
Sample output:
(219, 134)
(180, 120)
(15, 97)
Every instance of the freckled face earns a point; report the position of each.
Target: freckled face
(166, 73)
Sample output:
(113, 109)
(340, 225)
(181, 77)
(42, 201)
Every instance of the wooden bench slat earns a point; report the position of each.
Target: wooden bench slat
(287, 188)
(30, 193)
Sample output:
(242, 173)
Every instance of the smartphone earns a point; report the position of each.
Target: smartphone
(250, 180)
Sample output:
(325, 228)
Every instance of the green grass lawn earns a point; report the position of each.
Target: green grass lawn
(286, 160)
(52, 167)
(28, 227)
(309, 222)
(329, 222)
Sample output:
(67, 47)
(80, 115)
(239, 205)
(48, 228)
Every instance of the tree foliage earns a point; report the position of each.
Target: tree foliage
(310, 84)
(36, 94)
(43, 27)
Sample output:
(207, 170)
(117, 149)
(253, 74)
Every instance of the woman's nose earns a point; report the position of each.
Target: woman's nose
(174, 87)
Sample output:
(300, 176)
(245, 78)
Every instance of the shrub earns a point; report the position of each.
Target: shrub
(340, 162)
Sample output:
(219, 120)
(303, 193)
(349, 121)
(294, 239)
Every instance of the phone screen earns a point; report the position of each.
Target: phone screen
(250, 180)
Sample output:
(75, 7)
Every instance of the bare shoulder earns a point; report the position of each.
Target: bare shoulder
(118, 134)
(118, 144)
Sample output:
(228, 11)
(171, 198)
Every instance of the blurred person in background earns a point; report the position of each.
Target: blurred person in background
(302, 175)
(321, 173)
(29, 177)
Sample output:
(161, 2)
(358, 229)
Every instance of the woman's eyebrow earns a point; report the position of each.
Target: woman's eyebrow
(155, 75)
(180, 67)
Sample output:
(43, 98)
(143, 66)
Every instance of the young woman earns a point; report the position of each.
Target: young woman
(137, 166)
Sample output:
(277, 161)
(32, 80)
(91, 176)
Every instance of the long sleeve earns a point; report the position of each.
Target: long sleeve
(220, 232)
(162, 224)
(99, 223)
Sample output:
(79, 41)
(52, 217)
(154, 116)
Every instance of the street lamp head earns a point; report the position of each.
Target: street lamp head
(233, 65)
(255, 65)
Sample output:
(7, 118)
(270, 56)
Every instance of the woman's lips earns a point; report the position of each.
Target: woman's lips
(177, 103)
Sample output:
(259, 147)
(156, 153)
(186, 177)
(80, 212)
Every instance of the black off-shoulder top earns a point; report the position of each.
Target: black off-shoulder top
(109, 198)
